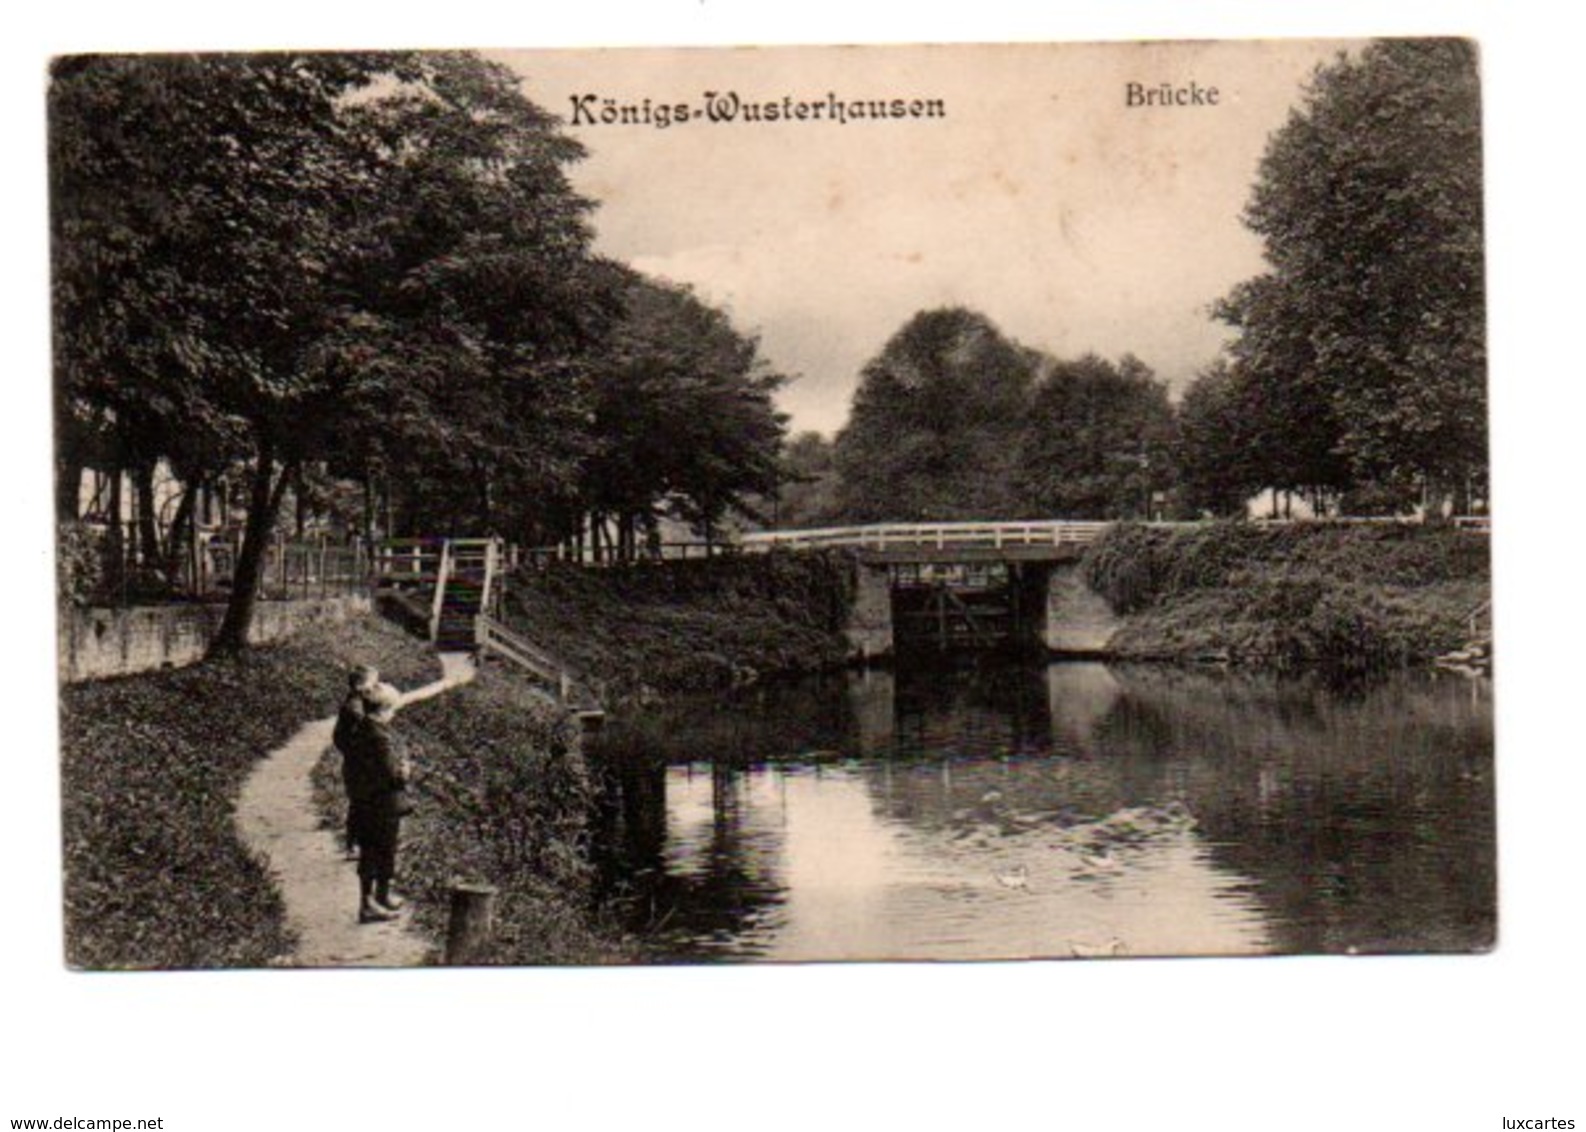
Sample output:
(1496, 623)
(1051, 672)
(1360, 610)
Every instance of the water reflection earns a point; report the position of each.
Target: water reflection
(1070, 809)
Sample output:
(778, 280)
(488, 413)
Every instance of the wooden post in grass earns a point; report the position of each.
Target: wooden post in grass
(472, 921)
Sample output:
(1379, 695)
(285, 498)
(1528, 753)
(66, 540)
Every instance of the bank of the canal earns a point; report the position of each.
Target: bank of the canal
(152, 766)
(1348, 598)
(503, 795)
(155, 874)
(650, 631)
(1008, 807)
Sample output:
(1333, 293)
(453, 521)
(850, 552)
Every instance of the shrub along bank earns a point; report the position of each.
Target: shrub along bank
(151, 767)
(1351, 598)
(687, 626)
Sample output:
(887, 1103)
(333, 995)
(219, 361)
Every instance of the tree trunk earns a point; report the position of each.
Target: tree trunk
(368, 508)
(652, 535)
(68, 487)
(180, 538)
(116, 547)
(390, 515)
(266, 493)
(629, 545)
(1434, 499)
(143, 507)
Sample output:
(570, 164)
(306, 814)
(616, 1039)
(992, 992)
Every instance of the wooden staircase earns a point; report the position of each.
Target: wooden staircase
(465, 589)
(462, 583)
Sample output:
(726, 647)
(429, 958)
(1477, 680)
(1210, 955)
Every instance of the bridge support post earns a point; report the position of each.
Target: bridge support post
(1076, 619)
(869, 629)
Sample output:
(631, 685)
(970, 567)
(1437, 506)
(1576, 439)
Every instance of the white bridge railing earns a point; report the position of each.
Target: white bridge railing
(942, 536)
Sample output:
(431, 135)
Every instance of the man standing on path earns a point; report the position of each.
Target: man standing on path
(377, 784)
(361, 681)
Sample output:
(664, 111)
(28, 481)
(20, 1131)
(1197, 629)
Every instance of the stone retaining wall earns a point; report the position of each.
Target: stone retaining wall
(95, 643)
(1078, 620)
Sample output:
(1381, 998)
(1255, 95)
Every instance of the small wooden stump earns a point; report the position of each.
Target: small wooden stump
(472, 922)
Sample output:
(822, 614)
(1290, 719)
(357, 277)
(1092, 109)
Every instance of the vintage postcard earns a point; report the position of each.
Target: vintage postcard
(760, 505)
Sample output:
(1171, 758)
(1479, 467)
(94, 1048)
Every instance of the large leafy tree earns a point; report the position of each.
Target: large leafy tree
(683, 420)
(1291, 423)
(1370, 324)
(295, 260)
(469, 305)
(199, 205)
(1098, 440)
(935, 425)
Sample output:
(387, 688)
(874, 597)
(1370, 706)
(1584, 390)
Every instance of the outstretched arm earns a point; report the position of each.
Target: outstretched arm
(458, 671)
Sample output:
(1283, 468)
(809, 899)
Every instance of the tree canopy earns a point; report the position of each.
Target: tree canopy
(1363, 346)
(302, 269)
(936, 420)
(1097, 441)
(1218, 454)
(806, 494)
(309, 273)
(683, 418)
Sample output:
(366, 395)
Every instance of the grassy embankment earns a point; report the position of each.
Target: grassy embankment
(151, 767)
(692, 626)
(1351, 598)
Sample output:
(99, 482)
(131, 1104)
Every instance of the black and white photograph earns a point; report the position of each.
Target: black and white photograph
(691, 581)
(665, 506)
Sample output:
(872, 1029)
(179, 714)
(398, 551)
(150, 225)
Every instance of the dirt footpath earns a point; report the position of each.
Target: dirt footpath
(277, 820)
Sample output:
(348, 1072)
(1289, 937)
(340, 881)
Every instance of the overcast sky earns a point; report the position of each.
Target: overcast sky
(1074, 222)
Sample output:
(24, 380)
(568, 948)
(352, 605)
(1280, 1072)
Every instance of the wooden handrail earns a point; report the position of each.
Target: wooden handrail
(1042, 532)
(438, 601)
(492, 636)
(490, 577)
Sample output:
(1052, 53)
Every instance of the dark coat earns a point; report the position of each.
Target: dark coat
(372, 769)
(349, 727)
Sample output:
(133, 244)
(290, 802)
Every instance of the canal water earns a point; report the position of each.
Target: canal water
(1056, 810)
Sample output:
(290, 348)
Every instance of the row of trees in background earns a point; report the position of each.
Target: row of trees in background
(1356, 381)
(362, 283)
(296, 274)
(953, 420)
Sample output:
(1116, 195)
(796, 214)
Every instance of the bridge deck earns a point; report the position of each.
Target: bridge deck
(1028, 541)
(968, 553)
